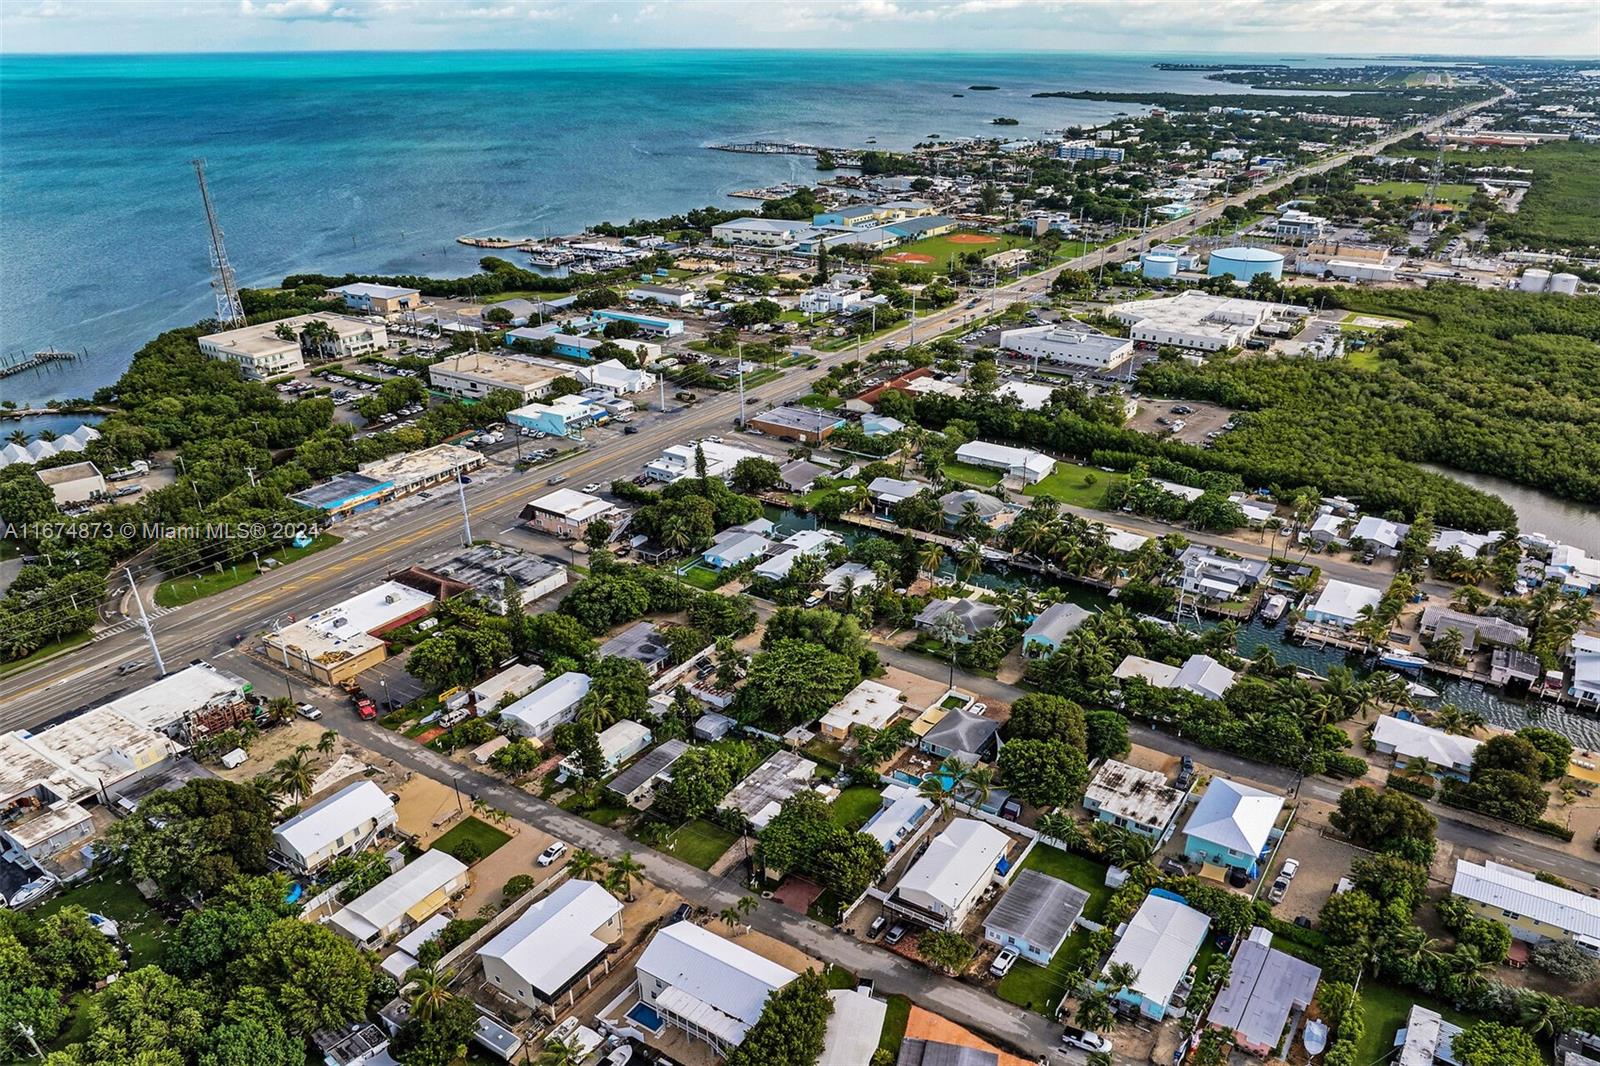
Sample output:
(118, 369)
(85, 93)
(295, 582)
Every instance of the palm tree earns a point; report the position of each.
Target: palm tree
(1094, 1009)
(1541, 1013)
(558, 1052)
(280, 710)
(948, 631)
(625, 870)
(1062, 827)
(1413, 945)
(1128, 850)
(1122, 976)
(730, 917)
(295, 774)
(429, 990)
(969, 560)
(270, 787)
(585, 865)
(930, 558)
(327, 742)
(976, 785)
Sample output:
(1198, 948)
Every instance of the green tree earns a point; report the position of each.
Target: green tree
(73, 951)
(1556, 749)
(558, 636)
(791, 1028)
(144, 1017)
(1044, 773)
(1493, 1044)
(250, 1033)
(793, 681)
(754, 474)
(29, 1001)
(439, 662)
(618, 689)
(1388, 821)
(194, 839)
(437, 1038)
(518, 758)
(315, 977)
(950, 952)
(1036, 716)
(1107, 733)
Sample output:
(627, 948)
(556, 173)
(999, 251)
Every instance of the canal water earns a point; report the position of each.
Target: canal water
(1495, 705)
(1537, 512)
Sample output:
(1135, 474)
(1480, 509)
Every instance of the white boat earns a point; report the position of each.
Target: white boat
(1315, 1037)
(107, 926)
(1402, 660)
(1416, 690)
(1273, 609)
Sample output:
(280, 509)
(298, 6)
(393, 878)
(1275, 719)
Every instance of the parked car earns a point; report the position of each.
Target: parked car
(682, 913)
(593, 486)
(875, 930)
(1002, 962)
(897, 933)
(1084, 1040)
(308, 712)
(1185, 773)
(552, 853)
(630, 429)
(1290, 868)
(1276, 892)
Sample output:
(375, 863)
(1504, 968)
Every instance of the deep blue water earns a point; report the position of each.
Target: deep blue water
(378, 161)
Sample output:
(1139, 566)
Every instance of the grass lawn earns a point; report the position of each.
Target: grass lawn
(941, 249)
(1075, 869)
(485, 836)
(838, 977)
(1386, 1008)
(599, 811)
(791, 316)
(1080, 486)
(979, 476)
(894, 1026)
(522, 294)
(64, 644)
(702, 577)
(760, 377)
(855, 805)
(826, 403)
(78, 1025)
(179, 591)
(142, 926)
(1366, 359)
(1396, 190)
(1040, 988)
(700, 843)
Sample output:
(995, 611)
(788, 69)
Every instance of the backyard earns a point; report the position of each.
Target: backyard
(978, 476)
(1079, 486)
(1074, 869)
(1386, 1008)
(855, 805)
(702, 576)
(473, 836)
(1040, 988)
(700, 843)
(140, 925)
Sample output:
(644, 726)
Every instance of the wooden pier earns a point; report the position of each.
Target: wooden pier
(37, 359)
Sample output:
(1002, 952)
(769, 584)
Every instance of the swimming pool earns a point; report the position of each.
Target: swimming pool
(646, 1016)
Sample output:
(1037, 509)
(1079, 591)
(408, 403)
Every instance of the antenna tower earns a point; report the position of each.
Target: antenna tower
(1432, 197)
(230, 312)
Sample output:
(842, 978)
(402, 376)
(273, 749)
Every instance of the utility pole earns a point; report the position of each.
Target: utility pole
(466, 519)
(144, 620)
(913, 318)
(661, 380)
(741, 384)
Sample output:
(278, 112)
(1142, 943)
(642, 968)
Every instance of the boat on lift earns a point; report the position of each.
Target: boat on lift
(1401, 660)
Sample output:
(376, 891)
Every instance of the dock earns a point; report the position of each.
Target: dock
(37, 359)
(497, 242)
(844, 157)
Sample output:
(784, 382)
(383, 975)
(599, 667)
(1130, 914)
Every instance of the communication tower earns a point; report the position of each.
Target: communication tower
(230, 312)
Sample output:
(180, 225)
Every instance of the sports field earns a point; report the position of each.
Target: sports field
(1397, 190)
(938, 251)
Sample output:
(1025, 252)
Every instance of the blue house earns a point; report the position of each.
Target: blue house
(1050, 627)
(1160, 942)
(859, 215)
(739, 544)
(1232, 825)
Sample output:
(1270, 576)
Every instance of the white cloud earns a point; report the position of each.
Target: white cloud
(301, 11)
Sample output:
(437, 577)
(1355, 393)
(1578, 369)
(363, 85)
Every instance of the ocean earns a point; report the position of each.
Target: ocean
(378, 161)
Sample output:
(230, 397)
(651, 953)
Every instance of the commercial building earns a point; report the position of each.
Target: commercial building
(403, 900)
(870, 705)
(582, 348)
(1080, 151)
(378, 299)
(1341, 603)
(261, 352)
(1052, 625)
(1409, 741)
(1298, 225)
(555, 702)
(761, 232)
(1034, 916)
(74, 483)
(710, 988)
(663, 294)
(828, 301)
(807, 425)
(1133, 798)
(1264, 987)
(1232, 825)
(346, 822)
(1067, 347)
(679, 461)
(1532, 909)
(484, 569)
(562, 417)
(339, 642)
(619, 742)
(761, 794)
(412, 472)
(566, 512)
(473, 375)
(616, 378)
(1160, 941)
(542, 957)
(650, 324)
(918, 227)
(1199, 321)
(343, 495)
(1029, 467)
(941, 888)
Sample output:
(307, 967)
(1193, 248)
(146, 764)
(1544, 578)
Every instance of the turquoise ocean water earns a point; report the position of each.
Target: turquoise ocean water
(376, 162)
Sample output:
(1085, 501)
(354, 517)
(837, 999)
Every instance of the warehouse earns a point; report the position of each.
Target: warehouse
(807, 425)
(659, 327)
(1067, 347)
(764, 232)
(561, 417)
(1030, 467)
(473, 375)
(1198, 320)
(662, 294)
(378, 299)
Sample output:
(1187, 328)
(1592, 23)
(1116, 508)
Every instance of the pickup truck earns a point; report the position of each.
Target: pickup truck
(365, 709)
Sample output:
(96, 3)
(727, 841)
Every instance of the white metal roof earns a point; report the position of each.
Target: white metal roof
(1344, 600)
(903, 809)
(520, 678)
(1519, 892)
(853, 1028)
(345, 810)
(959, 858)
(1415, 740)
(1204, 676)
(165, 701)
(572, 505)
(367, 288)
(1234, 816)
(1160, 941)
(549, 701)
(553, 940)
(871, 704)
(713, 982)
(1158, 674)
(384, 903)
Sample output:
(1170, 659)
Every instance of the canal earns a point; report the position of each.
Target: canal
(1537, 511)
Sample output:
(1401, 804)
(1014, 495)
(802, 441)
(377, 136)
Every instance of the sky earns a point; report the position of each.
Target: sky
(1278, 27)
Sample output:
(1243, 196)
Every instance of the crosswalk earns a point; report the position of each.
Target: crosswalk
(130, 623)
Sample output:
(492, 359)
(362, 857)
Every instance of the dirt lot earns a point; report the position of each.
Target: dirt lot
(1323, 860)
(1206, 417)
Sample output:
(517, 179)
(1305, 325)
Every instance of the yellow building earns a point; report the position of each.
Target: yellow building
(1530, 908)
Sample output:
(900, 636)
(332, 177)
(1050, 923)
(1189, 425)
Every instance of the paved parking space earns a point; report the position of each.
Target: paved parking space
(1157, 417)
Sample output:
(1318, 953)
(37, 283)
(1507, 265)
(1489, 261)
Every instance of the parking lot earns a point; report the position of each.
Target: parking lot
(1191, 426)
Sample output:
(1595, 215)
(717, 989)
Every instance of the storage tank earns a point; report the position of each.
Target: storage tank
(1245, 263)
(1565, 284)
(1159, 265)
(1534, 280)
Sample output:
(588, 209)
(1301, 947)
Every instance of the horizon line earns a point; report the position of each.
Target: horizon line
(1340, 55)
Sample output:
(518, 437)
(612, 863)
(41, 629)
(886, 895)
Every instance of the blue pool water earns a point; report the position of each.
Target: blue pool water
(647, 1017)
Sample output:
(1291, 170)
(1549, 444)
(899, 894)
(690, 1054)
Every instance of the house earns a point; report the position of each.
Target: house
(343, 824)
(403, 959)
(709, 987)
(790, 549)
(853, 578)
(737, 545)
(1325, 530)
(958, 506)
(1583, 656)
(1341, 603)
(563, 416)
(73, 483)
(663, 294)
(636, 785)
(1035, 915)
(880, 426)
(566, 513)
(871, 705)
(1379, 535)
(888, 491)
(403, 900)
(643, 643)
(806, 425)
(540, 959)
(711, 726)
(1475, 629)
(854, 1027)
(1425, 1039)
(900, 810)
(970, 737)
(339, 642)
(1231, 826)
(680, 461)
(1217, 577)
(1532, 909)
(1155, 674)
(554, 703)
(270, 349)
(971, 616)
(1050, 628)
(1029, 467)
(759, 796)
(1264, 987)
(1471, 545)
(1134, 798)
(1160, 941)
(378, 299)
(941, 888)
(616, 378)
(1409, 741)
(1204, 676)
(619, 742)
(800, 475)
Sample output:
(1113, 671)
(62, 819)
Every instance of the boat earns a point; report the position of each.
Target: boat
(107, 926)
(1401, 660)
(1315, 1037)
(1273, 609)
(1417, 690)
